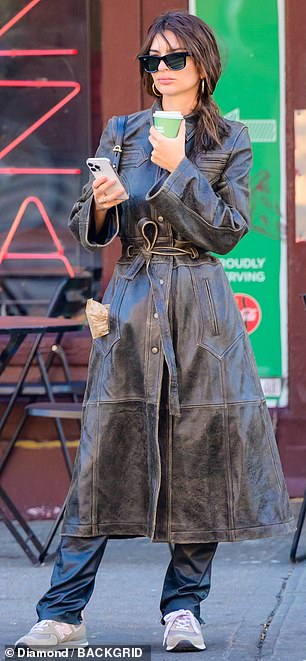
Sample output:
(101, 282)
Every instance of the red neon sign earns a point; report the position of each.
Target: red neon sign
(11, 170)
(18, 17)
(38, 52)
(59, 254)
(44, 118)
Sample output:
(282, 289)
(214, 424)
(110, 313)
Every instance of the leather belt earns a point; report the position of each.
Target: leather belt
(151, 246)
(132, 249)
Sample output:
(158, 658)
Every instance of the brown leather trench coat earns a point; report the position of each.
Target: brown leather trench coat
(177, 442)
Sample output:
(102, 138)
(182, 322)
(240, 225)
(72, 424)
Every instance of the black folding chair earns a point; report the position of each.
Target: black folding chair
(68, 411)
(69, 298)
(23, 533)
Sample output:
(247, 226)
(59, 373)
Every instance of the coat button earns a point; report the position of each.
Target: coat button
(161, 281)
(155, 315)
(154, 349)
(160, 219)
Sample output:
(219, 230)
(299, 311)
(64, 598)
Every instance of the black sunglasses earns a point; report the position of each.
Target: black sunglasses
(174, 61)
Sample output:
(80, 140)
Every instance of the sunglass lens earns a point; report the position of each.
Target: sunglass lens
(176, 61)
(150, 63)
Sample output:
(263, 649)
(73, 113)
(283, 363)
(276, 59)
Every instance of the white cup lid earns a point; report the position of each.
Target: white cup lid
(168, 114)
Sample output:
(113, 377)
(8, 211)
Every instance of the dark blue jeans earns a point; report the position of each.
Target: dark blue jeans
(186, 584)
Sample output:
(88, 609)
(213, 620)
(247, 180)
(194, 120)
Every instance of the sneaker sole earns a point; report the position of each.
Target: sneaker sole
(59, 646)
(185, 646)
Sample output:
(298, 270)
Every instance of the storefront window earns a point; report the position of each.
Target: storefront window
(45, 132)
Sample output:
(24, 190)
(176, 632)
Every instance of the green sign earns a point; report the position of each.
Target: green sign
(250, 90)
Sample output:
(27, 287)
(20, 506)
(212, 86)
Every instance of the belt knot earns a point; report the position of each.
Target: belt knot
(149, 230)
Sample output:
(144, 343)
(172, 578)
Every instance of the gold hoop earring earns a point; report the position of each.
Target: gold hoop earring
(202, 85)
(155, 91)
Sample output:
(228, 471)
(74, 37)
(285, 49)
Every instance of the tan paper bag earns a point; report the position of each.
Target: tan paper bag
(98, 318)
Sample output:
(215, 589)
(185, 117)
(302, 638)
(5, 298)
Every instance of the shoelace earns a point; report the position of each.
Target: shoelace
(183, 619)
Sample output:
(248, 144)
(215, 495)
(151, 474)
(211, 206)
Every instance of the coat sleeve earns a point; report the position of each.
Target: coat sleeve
(81, 221)
(212, 219)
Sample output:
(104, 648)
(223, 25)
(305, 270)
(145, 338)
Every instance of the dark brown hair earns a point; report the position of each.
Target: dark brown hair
(199, 40)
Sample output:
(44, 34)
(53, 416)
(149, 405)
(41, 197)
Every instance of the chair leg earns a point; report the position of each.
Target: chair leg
(31, 537)
(12, 442)
(63, 442)
(21, 379)
(18, 537)
(59, 426)
(59, 351)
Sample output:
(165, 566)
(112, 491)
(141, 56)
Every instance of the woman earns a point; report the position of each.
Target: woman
(176, 440)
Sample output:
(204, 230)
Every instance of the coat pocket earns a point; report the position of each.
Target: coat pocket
(213, 315)
(133, 157)
(212, 165)
(220, 320)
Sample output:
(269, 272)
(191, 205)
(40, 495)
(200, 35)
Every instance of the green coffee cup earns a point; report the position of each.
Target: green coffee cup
(167, 122)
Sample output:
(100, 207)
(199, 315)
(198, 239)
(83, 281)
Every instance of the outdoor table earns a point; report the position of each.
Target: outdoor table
(30, 272)
(18, 328)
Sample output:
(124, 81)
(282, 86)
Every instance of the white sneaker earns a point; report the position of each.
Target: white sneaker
(183, 632)
(54, 635)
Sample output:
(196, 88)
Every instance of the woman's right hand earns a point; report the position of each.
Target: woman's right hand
(103, 197)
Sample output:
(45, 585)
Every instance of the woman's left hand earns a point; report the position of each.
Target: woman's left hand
(167, 152)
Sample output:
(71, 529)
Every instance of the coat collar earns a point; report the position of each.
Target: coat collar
(191, 120)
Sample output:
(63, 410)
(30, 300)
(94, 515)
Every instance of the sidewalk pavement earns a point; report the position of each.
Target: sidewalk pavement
(256, 609)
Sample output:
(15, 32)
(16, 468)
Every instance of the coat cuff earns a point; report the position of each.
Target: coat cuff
(108, 232)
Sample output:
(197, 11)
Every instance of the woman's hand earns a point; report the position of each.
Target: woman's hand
(167, 152)
(104, 199)
(103, 196)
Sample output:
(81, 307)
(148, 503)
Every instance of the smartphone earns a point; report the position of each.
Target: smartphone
(102, 167)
